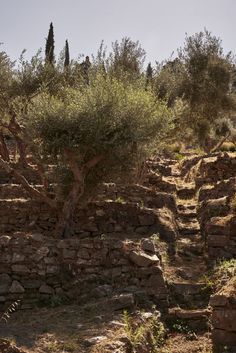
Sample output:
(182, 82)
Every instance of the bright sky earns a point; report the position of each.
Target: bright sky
(159, 25)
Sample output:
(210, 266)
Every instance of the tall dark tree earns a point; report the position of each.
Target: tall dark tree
(149, 74)
(67, 55)
(85, 65)
(49, 49)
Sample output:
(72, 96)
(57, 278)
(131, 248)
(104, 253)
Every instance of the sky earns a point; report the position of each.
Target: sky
(159, 25)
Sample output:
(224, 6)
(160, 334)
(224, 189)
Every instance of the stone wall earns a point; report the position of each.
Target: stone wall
(34, 267)
(96, 218)
(144, 196)
(224, 318)
(221, 237)
(217, 190)
(217, 224)
(220, 167)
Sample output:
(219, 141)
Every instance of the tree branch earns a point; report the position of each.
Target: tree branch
(34, 193)
(3, 148)
(219, 144)
(92, 163)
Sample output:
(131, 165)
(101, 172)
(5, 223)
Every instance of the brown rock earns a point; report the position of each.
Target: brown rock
(142, 259)
(45, 289)
(5, 282)
(16, 287)
(148, 245)
(224, 319)
(223, 338)
(4, 240)
(20, 269)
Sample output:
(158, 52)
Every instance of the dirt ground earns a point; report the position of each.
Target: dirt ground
(76, 329)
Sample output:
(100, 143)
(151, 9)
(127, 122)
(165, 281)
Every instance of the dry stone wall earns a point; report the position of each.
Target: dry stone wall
(218, 186)
(34, 267)
(218, 227)
(96, 218)
(224, 318)
(219, 167)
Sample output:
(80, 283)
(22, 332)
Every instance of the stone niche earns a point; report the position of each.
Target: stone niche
(224, 318)
(34, 267)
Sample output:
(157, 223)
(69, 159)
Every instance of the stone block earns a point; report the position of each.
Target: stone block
(20, 269)
(45, 289)
(5, 282)
(16, 287)
(224, 319)
(223, 338)
(18, 258)
(217, 240)
(148, 245)
(142, 259)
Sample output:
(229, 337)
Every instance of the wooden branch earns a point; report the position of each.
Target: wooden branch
(219, 144)
(3, 148)
(34, 193)
(92, 163)
(15, 129)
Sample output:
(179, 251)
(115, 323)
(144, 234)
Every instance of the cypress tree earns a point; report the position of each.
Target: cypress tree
(149, 74)
(49, 49)
(67, 55)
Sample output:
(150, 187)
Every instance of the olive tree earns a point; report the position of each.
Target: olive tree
(99, 131)
(206, 86)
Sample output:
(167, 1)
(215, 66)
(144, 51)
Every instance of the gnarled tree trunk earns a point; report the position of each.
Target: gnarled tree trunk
(3, 148)
(65, 223)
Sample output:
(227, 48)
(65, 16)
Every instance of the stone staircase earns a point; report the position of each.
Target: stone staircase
(188, 295)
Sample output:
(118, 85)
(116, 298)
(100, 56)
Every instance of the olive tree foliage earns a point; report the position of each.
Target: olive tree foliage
(167, 82)
(126, 58)
(97, 132)
(206, 88)
(90, 132)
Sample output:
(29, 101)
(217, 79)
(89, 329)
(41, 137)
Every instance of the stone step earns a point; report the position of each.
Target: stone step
(187, 207)
(189, 249)
(185, 288)
(186, 193)
(195, 319)
(185, 217)
(189, 229)
(189, 295)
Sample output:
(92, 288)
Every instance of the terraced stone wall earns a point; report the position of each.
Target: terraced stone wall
(96, 218)
(224, 318)
(34, 267)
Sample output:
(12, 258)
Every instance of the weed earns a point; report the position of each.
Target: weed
(11, 309)
(224, 271)
(141, 204)
(155, 238)
(119, 199)
(149, 333)
(209, 283)
(180, 326)
(179, 156)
